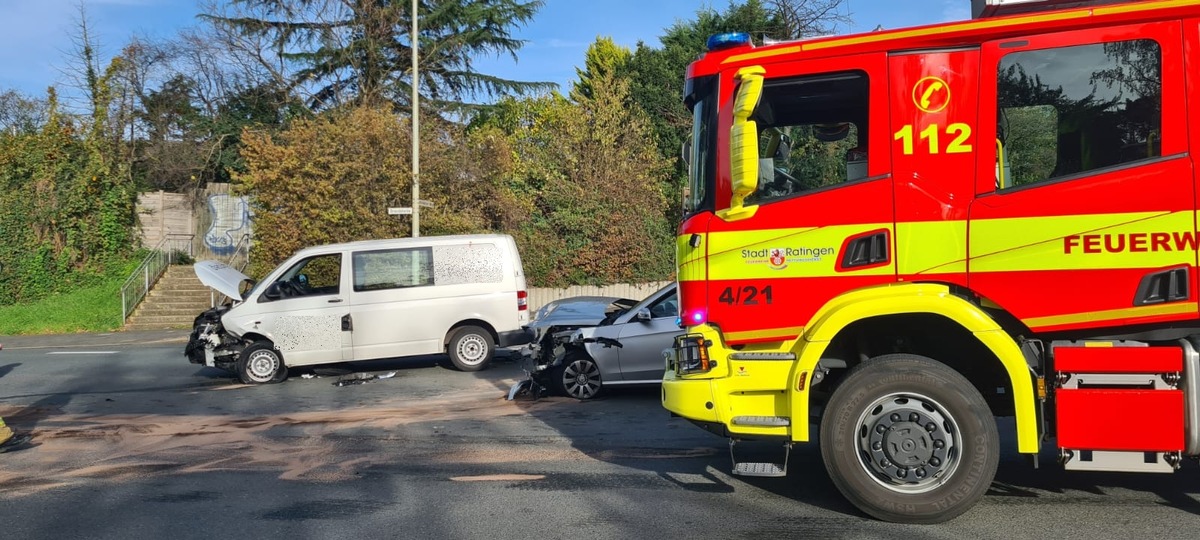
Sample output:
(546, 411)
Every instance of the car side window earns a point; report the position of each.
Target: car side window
(666, 307)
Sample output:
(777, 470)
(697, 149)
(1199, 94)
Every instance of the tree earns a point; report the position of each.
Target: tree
(603, 57)
(21, 114)
(796, 19)
(657, 77)
(589, 178)
(657, 74)
(356, 51)
(331, 178)
(66, 200)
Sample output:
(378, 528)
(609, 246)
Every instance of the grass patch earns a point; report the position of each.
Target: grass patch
(92, 307)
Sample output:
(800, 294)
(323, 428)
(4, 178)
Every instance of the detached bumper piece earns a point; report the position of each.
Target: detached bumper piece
(1119, 406)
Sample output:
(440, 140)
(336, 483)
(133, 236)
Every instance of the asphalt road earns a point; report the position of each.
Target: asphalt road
(132, 441)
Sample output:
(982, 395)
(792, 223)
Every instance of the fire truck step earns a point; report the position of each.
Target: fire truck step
(1097, 460)
(752, 468)
(772, 421)
(748, 468)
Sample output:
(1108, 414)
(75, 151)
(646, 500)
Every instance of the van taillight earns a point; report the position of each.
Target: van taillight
(522, 300)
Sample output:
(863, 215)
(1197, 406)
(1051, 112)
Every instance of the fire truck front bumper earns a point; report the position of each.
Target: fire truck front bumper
(692, 399)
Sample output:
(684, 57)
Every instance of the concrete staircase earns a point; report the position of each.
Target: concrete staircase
(173, 302)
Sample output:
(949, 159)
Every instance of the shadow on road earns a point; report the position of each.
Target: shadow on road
(652, 440)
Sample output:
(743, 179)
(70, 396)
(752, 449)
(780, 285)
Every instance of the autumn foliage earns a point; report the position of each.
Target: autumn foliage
(578, 184)
(332, 178)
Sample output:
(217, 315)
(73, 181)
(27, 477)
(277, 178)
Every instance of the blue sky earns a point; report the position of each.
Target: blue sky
(35, 35)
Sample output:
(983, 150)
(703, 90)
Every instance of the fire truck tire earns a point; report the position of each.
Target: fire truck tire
(907, 439)
(261, 363)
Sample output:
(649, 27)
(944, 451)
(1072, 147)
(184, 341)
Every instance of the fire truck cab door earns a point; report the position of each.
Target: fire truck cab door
(819, 221)
(1084, 215)
(933, 139)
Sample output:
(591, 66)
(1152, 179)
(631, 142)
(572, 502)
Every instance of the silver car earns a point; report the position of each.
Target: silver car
(596, 342)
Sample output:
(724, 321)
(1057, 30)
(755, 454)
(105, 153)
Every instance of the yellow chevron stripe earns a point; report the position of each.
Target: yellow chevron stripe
(767, 333)
(1024, 244)
(1113, 314)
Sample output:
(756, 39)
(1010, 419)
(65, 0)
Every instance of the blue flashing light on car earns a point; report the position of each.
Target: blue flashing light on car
(727, 40)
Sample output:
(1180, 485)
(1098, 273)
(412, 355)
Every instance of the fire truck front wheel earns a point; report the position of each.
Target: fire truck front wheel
(909, 440)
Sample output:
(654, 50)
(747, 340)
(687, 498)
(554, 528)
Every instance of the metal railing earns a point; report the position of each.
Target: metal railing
(238, 260)
(163, 255)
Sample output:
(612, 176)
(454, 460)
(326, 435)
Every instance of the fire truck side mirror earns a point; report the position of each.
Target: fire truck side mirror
(743, 143)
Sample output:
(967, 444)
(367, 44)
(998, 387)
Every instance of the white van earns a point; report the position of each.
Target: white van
(462, 295)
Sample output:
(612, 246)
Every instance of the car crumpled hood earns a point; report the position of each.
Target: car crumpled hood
(574, 311)
(220, 276)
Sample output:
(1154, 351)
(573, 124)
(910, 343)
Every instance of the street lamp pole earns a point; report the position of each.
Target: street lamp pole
(416, 139)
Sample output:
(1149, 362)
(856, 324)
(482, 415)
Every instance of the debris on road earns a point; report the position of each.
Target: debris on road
(362, 378)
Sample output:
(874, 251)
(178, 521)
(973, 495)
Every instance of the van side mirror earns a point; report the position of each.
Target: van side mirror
(643, 315)
(272, 292)
(743, 143)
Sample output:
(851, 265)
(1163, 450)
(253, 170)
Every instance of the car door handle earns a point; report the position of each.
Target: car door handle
(335, 301)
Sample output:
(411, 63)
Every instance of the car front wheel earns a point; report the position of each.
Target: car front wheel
(579, 377)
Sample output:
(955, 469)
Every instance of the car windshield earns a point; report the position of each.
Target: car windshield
(579, 308)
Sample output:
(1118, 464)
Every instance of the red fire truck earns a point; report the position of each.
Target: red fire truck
(895, 238)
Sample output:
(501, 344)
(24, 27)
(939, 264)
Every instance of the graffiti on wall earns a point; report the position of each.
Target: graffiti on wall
(230, 221)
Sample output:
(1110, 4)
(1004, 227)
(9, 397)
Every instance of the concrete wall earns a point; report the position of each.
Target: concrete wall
(162, 214)
(214, 220)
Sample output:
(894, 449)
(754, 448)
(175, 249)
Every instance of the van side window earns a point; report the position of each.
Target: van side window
(392, 269)
(1070, 110)
(812, 133)
(313, 276)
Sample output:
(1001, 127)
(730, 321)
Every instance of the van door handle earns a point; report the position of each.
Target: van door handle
(335, 301)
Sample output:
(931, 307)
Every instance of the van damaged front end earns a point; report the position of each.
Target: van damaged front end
(210, 345)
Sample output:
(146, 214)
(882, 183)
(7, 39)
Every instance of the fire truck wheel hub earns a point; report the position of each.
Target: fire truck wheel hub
(907, 442)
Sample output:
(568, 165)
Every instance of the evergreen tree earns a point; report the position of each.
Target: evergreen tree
(359, 51)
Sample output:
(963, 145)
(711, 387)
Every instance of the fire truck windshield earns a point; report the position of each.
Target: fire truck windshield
(700, 95)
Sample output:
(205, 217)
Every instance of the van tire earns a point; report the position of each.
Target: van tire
(470, 348)
(261, 363)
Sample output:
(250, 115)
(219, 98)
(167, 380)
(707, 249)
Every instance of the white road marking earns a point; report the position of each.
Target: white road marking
(83, 352)
(498, 478)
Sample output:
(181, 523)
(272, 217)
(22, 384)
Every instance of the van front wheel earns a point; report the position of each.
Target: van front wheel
(261, 363)
(470, 348)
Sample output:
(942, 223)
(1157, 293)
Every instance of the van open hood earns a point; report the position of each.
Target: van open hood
(220, 276)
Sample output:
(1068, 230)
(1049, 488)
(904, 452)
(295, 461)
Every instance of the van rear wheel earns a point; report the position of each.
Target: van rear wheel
(470, 348)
